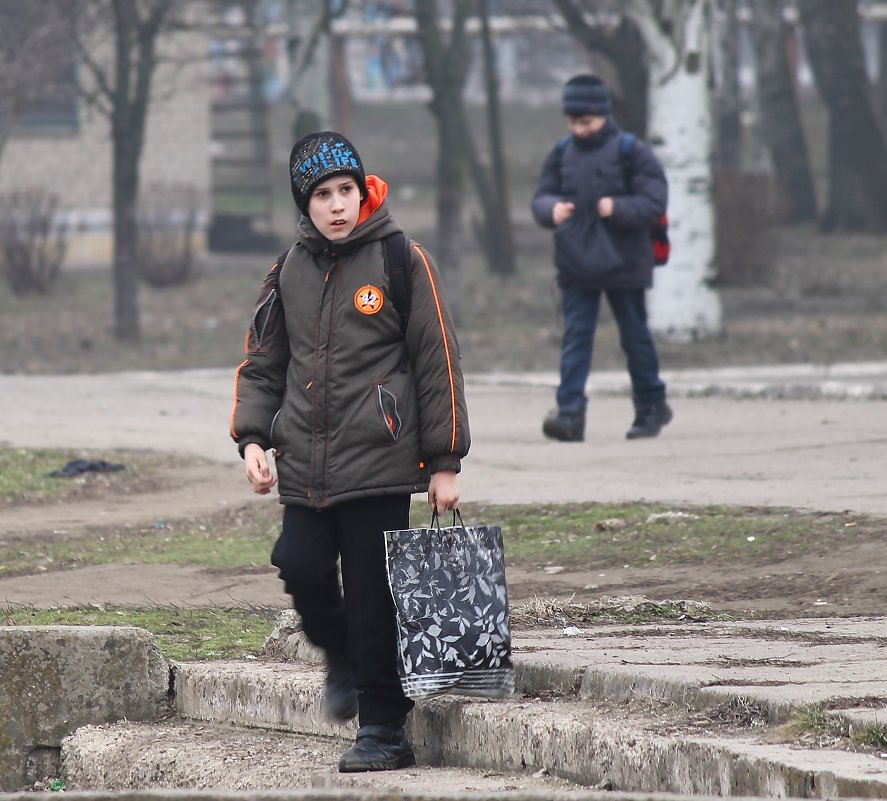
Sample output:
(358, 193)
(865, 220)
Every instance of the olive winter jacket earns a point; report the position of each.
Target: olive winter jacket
(325, 382)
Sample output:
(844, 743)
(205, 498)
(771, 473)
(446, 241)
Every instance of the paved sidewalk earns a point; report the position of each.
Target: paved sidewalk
(727, 443)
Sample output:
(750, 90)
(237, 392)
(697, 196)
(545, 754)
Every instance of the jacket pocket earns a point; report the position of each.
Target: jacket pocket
(387, 403)
(273, 423)
(262, 315)
(275, 430)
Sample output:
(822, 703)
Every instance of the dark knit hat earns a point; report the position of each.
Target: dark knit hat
(318, 156)
(586, 94)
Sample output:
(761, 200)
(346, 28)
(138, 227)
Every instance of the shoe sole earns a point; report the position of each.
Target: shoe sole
(665, 422)
(559, 437)
(403, 761)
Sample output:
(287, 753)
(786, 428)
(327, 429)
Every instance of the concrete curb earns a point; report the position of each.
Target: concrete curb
(54, 679)
(351, 794)
(846, 381)
(538, 673)
(571, 738)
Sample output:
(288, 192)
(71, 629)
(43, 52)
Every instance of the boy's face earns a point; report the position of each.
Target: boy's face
(334, 206)
(586, 125)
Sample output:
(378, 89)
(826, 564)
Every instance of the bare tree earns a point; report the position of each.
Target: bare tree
(623, 45)
(35, 60)
(781, 119)
(445, 63)
(857, 197)
(496, 236)
(120, 88)
(729, 99)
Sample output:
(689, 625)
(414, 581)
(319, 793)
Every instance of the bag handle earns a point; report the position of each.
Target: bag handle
(435, 519)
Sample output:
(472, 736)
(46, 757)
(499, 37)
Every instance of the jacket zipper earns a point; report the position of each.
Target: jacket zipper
(318, 470)
(266, 305)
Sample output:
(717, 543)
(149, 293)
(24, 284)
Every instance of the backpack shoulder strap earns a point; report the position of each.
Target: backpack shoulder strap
(626, 160)
(561, 146)
(396, 252)
(282, 257)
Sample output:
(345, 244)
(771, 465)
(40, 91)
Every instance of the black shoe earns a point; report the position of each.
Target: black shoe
(339, 695)
(649, 420)
(378, 748)
(564, 426)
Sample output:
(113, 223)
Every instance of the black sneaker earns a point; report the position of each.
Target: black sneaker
(564, 426)
(339, 694)
(378, 748)
(649, 420)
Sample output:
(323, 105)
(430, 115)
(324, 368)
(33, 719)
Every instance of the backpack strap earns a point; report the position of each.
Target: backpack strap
(560, 147)
(396, 252)
(626, 160)
(282, 257)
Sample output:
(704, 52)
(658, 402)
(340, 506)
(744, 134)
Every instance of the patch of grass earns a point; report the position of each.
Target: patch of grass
(23, 475)
(550, 611)
(813, 719)
(870, 735)
(813, 723)
(646, 535)
(25, 480)
(569, 536)
(239, 538)
(182, 634)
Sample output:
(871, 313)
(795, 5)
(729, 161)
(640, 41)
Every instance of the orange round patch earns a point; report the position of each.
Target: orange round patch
(368, 299)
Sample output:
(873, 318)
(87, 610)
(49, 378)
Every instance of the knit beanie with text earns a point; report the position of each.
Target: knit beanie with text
(321, 155)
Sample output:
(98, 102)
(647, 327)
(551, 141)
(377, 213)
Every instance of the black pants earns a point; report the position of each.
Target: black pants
(361, 626)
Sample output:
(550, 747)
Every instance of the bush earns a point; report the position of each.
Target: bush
(33, 240)
(167, 220)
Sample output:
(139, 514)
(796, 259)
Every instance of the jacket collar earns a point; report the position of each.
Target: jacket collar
(373, 215)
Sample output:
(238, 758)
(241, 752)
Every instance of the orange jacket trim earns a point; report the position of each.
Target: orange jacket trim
(443, 332)
(234, 435)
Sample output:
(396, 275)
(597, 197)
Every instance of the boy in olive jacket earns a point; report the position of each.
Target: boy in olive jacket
(360, 412)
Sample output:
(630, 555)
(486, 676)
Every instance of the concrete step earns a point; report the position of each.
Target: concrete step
(839, 667)
(175, 754)
(642, 747)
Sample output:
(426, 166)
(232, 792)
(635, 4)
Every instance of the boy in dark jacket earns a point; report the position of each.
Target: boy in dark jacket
(361, 412)
(587, 169)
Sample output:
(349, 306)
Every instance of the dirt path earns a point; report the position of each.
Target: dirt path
(825, 455)
(191, 491)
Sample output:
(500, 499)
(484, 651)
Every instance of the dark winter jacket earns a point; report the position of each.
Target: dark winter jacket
(583, 171)
(326, 384)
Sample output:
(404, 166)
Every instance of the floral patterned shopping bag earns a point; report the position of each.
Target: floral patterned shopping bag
(448, 585)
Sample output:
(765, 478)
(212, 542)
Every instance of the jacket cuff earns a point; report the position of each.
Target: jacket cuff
(253, 440)
(447, 462)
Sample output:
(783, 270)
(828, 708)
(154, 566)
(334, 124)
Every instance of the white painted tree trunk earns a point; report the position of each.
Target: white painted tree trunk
(683, 304)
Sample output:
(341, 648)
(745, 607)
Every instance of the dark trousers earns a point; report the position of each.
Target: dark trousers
(629, 307)
(360, 626)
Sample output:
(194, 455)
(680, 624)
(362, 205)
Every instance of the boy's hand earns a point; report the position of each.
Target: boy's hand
(257, 471)
(562, 212)
(443, 491)
(605, 207)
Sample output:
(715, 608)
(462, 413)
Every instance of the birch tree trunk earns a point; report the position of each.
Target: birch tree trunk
(683, 304)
